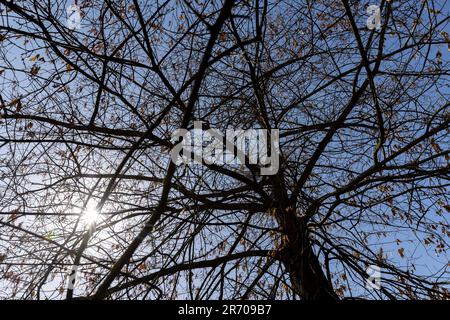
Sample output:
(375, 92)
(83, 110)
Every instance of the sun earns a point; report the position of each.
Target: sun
(90, 216)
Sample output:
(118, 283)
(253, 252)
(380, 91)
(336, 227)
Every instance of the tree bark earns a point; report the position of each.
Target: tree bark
(296, 253)
(306, 273)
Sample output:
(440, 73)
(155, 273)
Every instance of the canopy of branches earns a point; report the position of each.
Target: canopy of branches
(89, 99)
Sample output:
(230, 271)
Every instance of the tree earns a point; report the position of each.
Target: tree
(89, 104)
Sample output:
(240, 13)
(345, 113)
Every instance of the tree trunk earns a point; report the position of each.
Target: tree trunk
(305, 271)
